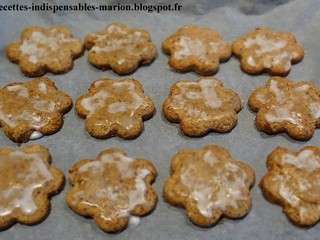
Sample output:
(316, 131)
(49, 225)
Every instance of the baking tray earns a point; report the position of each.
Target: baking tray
(161, 139)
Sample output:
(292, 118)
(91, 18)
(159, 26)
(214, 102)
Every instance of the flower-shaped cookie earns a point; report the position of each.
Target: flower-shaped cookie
(27, 181)
(197, 49)
(265, 50)
(120, 48)
(202, 106)
(112, 189)
(115, 107)
(209, 184)
(31, 109)
(286, 106)
(40, 50)
(293, 182)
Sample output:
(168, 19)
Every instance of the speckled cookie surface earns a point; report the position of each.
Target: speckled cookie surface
(202, 106)
(27, 180)
(32, 108)
(209, 184)
(292, 181)
(266, 50)
(286, 106)
(41, 50)
(199, 49)
(112, 188)
(120, 48)
(115, 107)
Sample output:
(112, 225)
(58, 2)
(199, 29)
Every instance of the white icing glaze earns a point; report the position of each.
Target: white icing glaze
(95, 102)
(315, 109)
(32, 118)
(286, 193)
(261, 98)
(209, 93)
(117, 107)
(19, 193)
(36, 135)
(134, 221)
(206, 93)
(100, 99)
(121, 61)
(210, 158)
(196, 47)
(264, 44)
(136, 99)
(251, 61)
(44, 105)
(302, 89)
(279, 94)
(39, 45)
(305, 160)
(190, 47)
(96, 176)
(125, 40)
(283, 113)
(20, 90)
(43, 87)
(113, 28)
(218, 191)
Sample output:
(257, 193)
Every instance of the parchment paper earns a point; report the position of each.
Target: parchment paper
(160, 139)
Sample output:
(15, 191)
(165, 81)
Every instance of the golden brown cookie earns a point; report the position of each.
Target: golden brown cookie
(286, 106)
(292, 181)
(115, 107)
(31, 109)
(265, 50)
(199, 49)
(209, 184)
(120, 48)
(41, 50)
(202, 106)
(27, 181)
(112, 189)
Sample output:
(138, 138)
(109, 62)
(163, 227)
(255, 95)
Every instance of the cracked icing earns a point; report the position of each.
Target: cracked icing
(24, 104)
(196, 47)
(293, 181)
(122, 104)
(24, 174)
(205, 100)
(120, 48)
(264, 49)
(211, 180)
(114, 186)
(294, 105)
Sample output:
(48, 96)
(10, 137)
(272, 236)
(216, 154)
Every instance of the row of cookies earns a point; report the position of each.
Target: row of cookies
(31, 109)
(123, 49)
(114, 188)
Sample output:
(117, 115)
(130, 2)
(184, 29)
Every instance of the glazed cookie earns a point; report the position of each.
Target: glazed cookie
(31, 109)
(120, 48)
(27, 181)
(286, 106)
(115, 107)
(113, 189)
(40, 50)
(292, 181)
(197, 49)
(265, 50)
(209, 184)
(202, 106)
